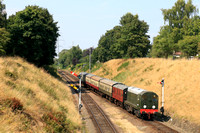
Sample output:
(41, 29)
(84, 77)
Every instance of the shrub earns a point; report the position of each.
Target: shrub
(16, 105)
(57, 122)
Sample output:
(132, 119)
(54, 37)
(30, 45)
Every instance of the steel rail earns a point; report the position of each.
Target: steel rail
(102, 121)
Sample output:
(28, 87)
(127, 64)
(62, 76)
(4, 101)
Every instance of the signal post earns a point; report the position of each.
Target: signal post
(162, 108)
(79, 101)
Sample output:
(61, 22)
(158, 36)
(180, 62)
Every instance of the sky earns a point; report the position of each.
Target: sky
(83, 22)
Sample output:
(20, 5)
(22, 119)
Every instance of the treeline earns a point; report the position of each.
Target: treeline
(31, 34)
(128, 40)
(75, 56)
(180, 33)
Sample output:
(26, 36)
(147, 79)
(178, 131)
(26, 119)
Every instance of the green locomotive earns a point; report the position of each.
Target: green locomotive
(141, 102)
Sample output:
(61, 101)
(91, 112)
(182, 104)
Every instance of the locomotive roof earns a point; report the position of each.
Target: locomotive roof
(109, 82)
(136, 90)
(89, 75)
(97, 78)
(120, 86)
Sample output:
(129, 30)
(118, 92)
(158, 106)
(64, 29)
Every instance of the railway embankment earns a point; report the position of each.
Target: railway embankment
(182, 84)
(33, 101)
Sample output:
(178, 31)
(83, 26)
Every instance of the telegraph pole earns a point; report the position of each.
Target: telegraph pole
(58, 54)
(90, 60)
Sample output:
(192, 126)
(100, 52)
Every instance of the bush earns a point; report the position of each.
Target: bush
(58, 123)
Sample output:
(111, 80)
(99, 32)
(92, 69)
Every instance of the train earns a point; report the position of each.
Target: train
(142, 103)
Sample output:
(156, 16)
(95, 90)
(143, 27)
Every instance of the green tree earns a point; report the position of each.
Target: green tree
(4, 39)
(179, 13)
(134, 32)
(189, 45)
(3, 14)
(130, 40)
(182, 21)
(33, 35)
(70, 57)
(162, 44)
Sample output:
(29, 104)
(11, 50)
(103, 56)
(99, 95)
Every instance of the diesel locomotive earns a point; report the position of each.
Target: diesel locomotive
(142, 103)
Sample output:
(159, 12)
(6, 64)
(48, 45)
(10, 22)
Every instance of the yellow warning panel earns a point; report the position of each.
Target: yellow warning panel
(74, 86)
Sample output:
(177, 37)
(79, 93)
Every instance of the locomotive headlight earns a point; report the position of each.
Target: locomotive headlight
(153, 107)
(145, 106)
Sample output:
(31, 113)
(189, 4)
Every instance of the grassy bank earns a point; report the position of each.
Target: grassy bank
(33, 101)
(182, 82)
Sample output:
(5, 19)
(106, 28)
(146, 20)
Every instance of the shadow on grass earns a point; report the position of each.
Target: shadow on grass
(162, 118)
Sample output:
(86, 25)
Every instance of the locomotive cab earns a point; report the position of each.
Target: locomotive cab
(149, 104)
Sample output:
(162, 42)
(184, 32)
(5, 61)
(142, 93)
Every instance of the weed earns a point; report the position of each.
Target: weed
(158, 70)
(63, 109)
(150, 68)
(141, 80)
(11, 75)
(16, 105)
(11, 84)
(30, 93)
(124, 65)
(148, 83)
(13, 103)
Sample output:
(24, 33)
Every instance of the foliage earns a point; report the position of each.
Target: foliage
(127, 40)
(33, 35)
(179, 13)
(4, 39)
(182, 21)
(189, 45)
(12, 103)
(3, 14)
(70, 57)
(57, 122)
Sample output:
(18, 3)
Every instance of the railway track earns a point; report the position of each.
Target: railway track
(103, 125)
(102, 122)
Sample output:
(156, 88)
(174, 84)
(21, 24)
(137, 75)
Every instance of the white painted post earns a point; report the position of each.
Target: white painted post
(162, 108)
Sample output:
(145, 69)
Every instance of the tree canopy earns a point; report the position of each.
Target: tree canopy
(182, 21)
(3, 14)
(33, 35)
(70, 57)
(4, 39)
(130, 40)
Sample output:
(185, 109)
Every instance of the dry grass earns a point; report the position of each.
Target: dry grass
(38, 92)
(182, 82)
